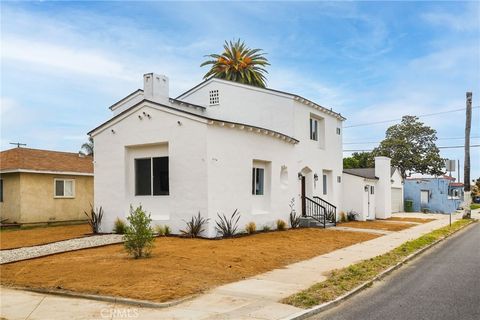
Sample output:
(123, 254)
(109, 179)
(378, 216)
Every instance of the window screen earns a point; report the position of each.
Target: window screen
(143, 175)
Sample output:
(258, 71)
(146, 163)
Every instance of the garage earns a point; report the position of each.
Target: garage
(397, 200)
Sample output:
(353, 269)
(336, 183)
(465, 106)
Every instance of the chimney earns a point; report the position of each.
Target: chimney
(155, 88)
(383, 196)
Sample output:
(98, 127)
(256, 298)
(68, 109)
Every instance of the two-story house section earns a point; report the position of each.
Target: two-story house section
(218, 147)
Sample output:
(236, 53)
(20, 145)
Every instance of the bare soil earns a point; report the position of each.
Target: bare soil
(178, 267)
(406, 219)
(31, 237)
(377, 224)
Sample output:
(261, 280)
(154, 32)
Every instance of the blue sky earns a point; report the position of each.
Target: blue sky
(64, 63)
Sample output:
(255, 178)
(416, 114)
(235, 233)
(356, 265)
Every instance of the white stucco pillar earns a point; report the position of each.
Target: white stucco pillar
(156, 87)
(383, 197)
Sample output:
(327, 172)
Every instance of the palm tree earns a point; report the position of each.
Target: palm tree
(87, 147)
(238, 63)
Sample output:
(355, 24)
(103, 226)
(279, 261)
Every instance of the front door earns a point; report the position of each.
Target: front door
(303, 197)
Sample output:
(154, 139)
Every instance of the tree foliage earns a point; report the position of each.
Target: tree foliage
(359, 160)
(411, 146)
(87, 147)
(238, 63)
(139, 235)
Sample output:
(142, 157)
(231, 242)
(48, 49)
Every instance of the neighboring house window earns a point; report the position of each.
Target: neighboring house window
(64, 188)
(258, 181)
(313, 129)
(339, 131)
(325, 184)
(424, 196)
(1, 190)
(214, 97)
(152, 176)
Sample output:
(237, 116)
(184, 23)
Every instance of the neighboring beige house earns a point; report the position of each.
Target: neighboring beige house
(40, 186)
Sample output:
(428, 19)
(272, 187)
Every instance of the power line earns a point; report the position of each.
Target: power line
(399, 119)
(369, 142)
(444, 147)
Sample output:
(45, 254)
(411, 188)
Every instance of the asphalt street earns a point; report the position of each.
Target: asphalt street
(442, 283)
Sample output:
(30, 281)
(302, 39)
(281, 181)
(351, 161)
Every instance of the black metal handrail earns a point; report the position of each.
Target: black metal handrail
(330, 209)
(315, 210)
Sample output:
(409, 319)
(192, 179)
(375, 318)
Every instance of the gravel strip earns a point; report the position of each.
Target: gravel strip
(58, 247)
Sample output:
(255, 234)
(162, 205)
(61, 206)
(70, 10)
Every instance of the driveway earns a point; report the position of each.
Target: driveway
(444, 283)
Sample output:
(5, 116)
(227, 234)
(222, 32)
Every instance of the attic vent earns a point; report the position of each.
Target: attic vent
(214, 97)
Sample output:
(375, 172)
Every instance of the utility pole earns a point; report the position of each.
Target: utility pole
(466, 165)
(18, 144)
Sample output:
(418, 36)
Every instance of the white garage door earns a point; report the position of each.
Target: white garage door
(397, 200)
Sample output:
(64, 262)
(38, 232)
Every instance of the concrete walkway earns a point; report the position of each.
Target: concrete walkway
(252, 298)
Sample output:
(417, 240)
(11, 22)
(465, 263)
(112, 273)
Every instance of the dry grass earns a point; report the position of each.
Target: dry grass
(408, 219)
(178, 267)
(377, 224)
(35, 236)
(341, 281)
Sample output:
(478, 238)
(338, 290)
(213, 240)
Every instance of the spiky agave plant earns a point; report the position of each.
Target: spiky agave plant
(238, 63)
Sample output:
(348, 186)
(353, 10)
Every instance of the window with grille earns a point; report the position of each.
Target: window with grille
(64, 188)
(214, 97)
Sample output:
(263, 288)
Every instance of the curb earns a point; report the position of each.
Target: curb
(328, 305)
(112, 299)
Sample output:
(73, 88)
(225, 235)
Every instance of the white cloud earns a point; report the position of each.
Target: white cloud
(466, 21)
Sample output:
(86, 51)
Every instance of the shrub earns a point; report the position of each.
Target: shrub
(343, 217)
(194, 226)
(227, 227)
(95, 219)
(160, 229)
(167, 230)
(139, 236)
(352, 216)
(294, 219)
(281, 225)
(251, 227)
(266, 228)
(119, 226)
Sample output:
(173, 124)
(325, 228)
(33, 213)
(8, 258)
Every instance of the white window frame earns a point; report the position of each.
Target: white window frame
(64, 196)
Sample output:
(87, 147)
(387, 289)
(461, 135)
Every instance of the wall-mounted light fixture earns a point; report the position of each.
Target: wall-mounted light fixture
(315, 177)
(366, 188)
(140, 117)
(300, 176)
(113, 131)
(179, 122)
(146, 115)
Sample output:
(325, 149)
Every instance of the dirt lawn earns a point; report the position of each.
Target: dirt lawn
(30, 237)
(178, 267)
(407, 219)
(377, 224)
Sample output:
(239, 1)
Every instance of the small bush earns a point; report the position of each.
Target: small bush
(343, 217)
(266, 228)
(162, 230)
(352, 216)
(251, 227)
(294, 219)
(119, 226)
(95, 219)
(281, 225)
(195, 226)
(227, 227)
(139, 236)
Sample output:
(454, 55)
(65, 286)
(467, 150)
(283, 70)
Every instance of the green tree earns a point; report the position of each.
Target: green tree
(139, 235)
(87, 147)
(359, 160)
(238, 63)
(411, 146)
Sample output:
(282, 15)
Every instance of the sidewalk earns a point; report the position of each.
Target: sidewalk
(252, 298)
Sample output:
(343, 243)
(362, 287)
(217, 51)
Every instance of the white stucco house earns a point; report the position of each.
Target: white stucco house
(217, 147)
(373, 193)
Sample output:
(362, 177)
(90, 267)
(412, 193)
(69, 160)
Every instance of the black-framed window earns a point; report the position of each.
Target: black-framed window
(258, 181)
(324, 184)
(152, 176)
(1, 190)
(313, 129)
(372, 190)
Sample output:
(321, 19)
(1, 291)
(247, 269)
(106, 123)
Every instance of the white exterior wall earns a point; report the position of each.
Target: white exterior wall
(384, 188)
(113, 165)
(355, 198)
